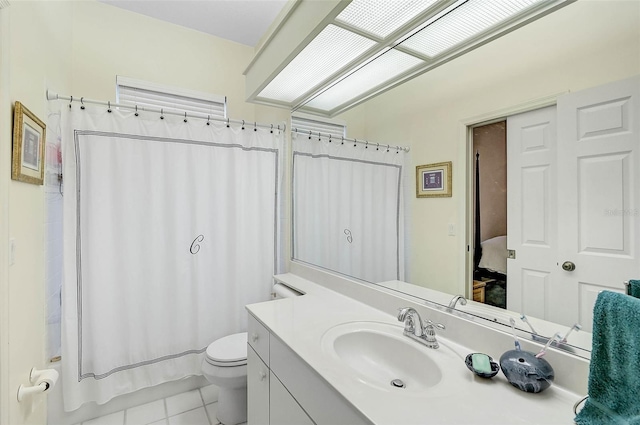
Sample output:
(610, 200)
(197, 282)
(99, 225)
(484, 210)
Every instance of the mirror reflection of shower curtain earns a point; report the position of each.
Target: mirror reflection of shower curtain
(348, 208)
(170, 230)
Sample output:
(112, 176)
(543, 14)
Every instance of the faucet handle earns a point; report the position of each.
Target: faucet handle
(430, 327)
(429, 333)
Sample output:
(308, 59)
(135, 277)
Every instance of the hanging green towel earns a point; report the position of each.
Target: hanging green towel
(634, 288)
(614, 372)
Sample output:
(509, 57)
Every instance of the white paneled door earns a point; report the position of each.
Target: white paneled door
(599, 195)
(574, 202)
(531, 210)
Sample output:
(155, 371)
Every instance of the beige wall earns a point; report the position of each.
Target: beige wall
(109, 41)
(78, 48)
(585, 44)
(36, 47)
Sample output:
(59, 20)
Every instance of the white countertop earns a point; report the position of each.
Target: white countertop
(459, 398)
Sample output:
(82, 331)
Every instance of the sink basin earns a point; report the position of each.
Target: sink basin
(379, 354)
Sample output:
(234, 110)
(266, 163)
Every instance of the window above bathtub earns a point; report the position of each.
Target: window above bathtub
(172, 99)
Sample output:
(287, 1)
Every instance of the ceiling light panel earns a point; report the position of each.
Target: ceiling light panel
(464, 23)
(382, 17)
(377, 72)
(329, 52)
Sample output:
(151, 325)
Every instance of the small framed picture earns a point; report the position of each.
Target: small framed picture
(433, 180)
(29, 134)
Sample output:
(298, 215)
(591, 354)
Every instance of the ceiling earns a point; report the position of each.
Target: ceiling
(242, 21)
(331, 55)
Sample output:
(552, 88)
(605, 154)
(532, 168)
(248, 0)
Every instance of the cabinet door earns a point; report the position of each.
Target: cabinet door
(257, 390)
(283, 408)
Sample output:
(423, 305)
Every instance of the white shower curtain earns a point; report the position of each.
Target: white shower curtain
(348, 207)
(170, 230)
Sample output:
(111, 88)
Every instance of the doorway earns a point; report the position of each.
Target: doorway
(489, 170)
(571, 201)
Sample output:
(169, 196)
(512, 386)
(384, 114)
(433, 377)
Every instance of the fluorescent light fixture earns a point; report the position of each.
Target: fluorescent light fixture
(332, 50)
(467, 21)
(384, 68)
(365, 47)
(381, 17)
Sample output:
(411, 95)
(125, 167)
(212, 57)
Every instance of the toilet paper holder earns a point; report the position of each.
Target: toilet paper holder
(42, 381)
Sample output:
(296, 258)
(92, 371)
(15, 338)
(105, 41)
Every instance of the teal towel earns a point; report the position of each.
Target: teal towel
(634, 288)
(614, 372)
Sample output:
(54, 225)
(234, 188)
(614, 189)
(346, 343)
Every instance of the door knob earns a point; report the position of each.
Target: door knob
(568, 266)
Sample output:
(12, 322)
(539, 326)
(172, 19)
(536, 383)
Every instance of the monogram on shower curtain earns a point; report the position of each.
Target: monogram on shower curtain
(170, 230)
(348, 207)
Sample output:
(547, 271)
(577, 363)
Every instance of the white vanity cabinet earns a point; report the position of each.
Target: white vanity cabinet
(268, 401)
(283, 390)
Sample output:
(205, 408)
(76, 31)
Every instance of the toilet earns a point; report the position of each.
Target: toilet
(225, 365)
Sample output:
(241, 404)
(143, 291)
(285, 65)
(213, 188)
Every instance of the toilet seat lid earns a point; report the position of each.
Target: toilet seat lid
(230, 350)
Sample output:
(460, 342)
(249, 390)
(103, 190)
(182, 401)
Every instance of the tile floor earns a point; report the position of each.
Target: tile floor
(196, 407)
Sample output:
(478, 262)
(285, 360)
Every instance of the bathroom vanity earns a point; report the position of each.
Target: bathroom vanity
(326, 358)
(275, 373)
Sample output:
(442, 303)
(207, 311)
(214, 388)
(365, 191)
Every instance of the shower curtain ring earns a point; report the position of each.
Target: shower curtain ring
(161, 113)
(109, 107)
(309, 134)
(330, 138)
(136, 113)
(70, 102)
(319, 136)
(355, 142)
(185, 117)
(227, 122)
(243, 124)
(377, 146)
(254, 126)
(397, 149)
(342, 140)
(82, 103)
(387, 148)
(366, 145)
(271, 131)
(208, 118)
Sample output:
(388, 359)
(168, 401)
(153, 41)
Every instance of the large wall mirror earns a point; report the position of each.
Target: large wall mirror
(585, 45)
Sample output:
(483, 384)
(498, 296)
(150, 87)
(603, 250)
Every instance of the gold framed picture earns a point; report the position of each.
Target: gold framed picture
(29, 134)
(433, 180)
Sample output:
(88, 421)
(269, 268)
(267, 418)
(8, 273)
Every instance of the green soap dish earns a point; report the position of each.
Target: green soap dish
(495, 367)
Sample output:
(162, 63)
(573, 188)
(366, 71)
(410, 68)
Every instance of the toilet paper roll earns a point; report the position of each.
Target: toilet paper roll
(48, 377)
(283, 291)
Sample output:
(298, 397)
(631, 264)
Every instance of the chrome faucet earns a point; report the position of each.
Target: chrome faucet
(423, 333)
(454, 301)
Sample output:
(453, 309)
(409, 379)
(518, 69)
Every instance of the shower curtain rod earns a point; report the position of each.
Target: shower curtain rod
(55, 96)
(345, 139)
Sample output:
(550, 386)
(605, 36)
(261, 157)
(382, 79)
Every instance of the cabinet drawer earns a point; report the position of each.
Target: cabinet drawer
(258, 337)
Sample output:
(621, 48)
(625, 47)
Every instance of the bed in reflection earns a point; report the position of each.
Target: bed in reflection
(489, 260)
